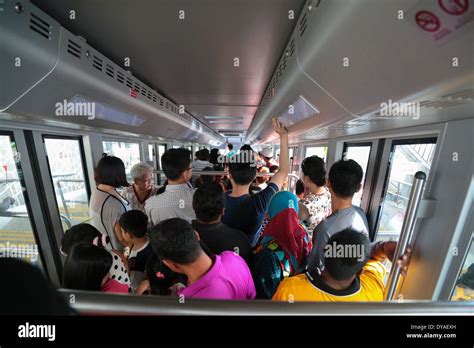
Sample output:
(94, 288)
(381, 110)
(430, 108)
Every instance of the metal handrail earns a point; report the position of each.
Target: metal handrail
(215, 172)
(406, 233)
(99, 303)
(223, 172)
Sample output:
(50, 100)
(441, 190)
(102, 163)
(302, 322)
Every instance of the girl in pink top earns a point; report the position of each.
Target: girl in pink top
(87, 267)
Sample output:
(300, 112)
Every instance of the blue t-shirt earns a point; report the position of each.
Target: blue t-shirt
(250, 209)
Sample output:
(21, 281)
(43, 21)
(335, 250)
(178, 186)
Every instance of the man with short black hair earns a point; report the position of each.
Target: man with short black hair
(225, 276)
(133, 225)
(354, 271)
(230, 150)
(208, 204)
(174, 199)
(242, 211)
(203, 157)
(343, 182)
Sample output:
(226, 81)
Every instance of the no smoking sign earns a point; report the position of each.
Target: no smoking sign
(443, 18)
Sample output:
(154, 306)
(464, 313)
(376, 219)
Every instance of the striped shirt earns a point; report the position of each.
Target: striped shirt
(176, 201)
(198, 166)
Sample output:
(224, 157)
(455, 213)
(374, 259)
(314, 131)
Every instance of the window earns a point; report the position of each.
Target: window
(360, 153)
(66, 167)
(464, 287)
(129, 153)
(321, 151)
(151, 154)
(406, 158)
(16, 232)
(161, 150)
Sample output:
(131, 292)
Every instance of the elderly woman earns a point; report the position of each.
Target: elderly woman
(142, 187)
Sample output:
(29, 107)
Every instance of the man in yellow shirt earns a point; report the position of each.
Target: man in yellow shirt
(353, 272)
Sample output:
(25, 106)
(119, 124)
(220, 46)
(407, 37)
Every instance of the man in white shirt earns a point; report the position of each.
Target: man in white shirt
(174, 199)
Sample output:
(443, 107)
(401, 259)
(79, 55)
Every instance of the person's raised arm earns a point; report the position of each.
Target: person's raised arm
(280, 176)
(382, 250)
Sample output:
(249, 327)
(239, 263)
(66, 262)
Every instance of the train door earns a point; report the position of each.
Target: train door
(405, 158)
(17, 237)
(25, 226)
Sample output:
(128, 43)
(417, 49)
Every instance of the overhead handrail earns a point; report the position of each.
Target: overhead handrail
(99, 303)
(406, 232)
(222, 172)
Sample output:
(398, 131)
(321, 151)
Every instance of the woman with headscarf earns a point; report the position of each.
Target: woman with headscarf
(283, 246)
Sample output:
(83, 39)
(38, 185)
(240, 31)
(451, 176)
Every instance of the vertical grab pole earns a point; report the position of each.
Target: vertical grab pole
(406, 232)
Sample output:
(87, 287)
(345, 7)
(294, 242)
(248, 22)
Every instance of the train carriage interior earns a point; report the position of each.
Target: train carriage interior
(387, 84)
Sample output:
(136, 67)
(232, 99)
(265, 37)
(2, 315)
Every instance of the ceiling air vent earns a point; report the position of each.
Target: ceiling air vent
(97, 63)
(449, 100)
(109, 70)
(291, 48)
(40, 26)
(467, 95)
(120, 76)
(74, 49)
(303, 24)
(136, 87)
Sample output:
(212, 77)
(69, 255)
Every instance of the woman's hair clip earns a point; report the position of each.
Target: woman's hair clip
(103, 241)
(160, 275)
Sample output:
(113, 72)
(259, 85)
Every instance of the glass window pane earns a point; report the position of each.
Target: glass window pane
(67, 173)
(406, 160)
(129, 153)
(360, 154)
(16, 232)
(161, 151)
(321, 151)
(464, 289)
(151, 157)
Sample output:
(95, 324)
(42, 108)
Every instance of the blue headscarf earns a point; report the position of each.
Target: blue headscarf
(280, 201)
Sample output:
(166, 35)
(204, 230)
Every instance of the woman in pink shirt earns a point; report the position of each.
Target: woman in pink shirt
(225, 276)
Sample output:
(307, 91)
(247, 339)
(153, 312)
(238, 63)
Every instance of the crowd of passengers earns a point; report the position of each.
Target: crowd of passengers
(233, 236)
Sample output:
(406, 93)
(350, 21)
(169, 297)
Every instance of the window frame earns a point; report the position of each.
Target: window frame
(45, 136)
(369, 170)
(35, 195)
(384, 172)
